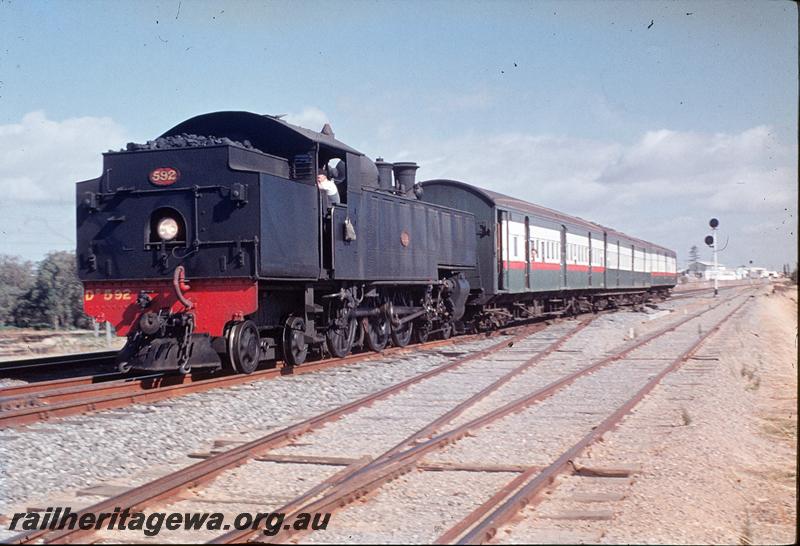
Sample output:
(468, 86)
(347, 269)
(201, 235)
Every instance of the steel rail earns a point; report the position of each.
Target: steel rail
(33, 390)
(393, 466)
(49, 391)
(239, 536)
(81, 388)
(540, 478)
(202, 471)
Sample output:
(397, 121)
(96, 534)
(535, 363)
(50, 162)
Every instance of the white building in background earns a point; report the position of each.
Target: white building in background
(705, 271)
(756, 273)
(722, 273)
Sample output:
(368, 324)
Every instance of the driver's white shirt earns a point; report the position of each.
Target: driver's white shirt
(329, 187)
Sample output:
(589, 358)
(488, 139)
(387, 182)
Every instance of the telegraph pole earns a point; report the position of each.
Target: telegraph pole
(711, 240)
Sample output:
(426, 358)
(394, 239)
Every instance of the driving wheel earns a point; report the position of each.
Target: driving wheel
(295, 348)
(340, 339)
(244, 346)
(376, 332)
(401, 336)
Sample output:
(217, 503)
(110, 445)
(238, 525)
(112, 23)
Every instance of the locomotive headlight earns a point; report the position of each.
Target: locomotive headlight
(167, 229)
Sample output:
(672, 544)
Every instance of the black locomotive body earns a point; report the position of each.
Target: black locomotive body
(213, 245)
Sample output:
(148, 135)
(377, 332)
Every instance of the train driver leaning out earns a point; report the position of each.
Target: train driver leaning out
(328, 186)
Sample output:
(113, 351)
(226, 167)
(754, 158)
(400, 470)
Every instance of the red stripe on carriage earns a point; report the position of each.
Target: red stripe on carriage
(544, 266)
(540, 266)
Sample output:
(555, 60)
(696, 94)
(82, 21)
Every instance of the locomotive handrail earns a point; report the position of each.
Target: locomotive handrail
(220, 242)
(137, 191)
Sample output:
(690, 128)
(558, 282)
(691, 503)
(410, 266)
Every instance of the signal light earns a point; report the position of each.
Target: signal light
(709, 240)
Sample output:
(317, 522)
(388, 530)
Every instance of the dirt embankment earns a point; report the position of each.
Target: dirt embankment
(19, 343)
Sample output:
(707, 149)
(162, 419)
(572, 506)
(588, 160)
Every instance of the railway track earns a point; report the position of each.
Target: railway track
(30, 403)
(40, 401)
(526, 490)
(207, 469)
(26, 404)
(477, 526)
(693, 292)
(496, 365)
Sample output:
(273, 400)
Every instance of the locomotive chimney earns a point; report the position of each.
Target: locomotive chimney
(384, 173)
(404, 175)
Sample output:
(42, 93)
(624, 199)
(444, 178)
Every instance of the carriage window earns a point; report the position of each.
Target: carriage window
(516, 241)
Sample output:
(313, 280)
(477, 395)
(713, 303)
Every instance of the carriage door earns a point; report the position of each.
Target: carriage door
(563, 256)
(591, 255)
(502, 246)
(604, 261)
(527, 254)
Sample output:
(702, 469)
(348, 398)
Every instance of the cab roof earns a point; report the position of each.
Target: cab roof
(268, 133)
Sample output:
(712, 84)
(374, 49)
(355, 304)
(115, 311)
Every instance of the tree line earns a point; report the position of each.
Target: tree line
(46, 294)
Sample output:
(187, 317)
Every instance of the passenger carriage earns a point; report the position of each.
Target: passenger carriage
(534, 260)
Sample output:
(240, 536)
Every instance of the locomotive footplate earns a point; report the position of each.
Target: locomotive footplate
(165, 354)
(167, 342)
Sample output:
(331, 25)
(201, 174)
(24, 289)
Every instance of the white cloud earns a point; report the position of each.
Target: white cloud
(310, 117)
(748, 179)
(41, 159)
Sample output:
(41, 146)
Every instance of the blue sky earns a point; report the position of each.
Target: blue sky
(575, 105)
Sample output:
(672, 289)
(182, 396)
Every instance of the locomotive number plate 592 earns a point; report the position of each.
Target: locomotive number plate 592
(164, 176)
(108, 294)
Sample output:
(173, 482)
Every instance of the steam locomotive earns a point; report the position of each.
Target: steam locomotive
(212, 246)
